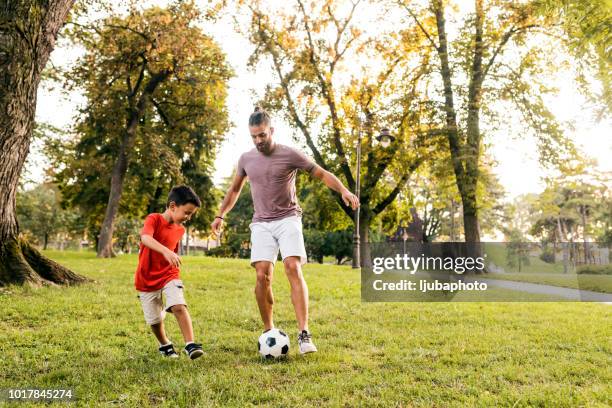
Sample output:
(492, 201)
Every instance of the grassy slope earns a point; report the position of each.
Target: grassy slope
(379, 354)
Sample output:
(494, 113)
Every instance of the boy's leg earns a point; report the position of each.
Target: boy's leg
(176, 304)
(154, 314)
(299, 290)
(263, 292)
(184, 321)
(160, 333)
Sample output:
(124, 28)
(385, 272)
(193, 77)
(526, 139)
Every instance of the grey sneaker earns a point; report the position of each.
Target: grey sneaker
(305, 342)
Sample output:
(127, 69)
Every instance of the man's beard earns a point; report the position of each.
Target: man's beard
(263, 147)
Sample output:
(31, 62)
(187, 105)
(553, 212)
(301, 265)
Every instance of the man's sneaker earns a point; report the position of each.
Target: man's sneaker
(194, 350)
(305, 342)
(168, 351)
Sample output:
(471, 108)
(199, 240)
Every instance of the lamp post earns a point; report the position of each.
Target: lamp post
(356, 235)
(385, 139)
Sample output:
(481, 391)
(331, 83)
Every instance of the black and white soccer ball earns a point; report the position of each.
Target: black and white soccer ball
(273, 344)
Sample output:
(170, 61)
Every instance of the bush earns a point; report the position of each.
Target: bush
(594, 270)
(222, 251)
(548, 256)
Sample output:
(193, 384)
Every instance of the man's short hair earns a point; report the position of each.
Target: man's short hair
(182, 195)
(259, 117)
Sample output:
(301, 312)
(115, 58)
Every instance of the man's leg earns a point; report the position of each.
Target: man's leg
(299, 290)
(263, 292)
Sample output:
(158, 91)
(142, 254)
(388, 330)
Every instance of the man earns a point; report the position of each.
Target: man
(271, 169)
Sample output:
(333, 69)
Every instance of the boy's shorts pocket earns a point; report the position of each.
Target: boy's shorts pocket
(173, 292)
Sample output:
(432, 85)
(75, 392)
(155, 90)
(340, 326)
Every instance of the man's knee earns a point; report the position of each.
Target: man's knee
(264, 273)
(293, 267)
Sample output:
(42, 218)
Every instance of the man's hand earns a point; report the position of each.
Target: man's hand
(172, 258)
(350, 199)
(216, 226)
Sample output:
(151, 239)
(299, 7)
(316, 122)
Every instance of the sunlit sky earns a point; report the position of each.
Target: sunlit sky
(517, 169)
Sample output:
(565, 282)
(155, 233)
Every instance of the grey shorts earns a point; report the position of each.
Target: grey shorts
(152, 306)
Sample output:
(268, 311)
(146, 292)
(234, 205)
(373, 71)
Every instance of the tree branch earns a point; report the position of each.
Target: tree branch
(416, 20)
(393, 194)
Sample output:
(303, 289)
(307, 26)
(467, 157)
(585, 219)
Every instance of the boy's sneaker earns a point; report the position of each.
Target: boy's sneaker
(305, 342)
(194, 350)
(168, 351)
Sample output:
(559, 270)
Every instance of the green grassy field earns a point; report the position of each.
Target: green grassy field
(94, 338)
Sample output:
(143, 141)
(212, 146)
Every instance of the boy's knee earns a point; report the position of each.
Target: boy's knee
(178, 309)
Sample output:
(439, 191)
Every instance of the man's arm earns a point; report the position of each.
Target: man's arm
(150, 242)
(335, 184)
(228, 202)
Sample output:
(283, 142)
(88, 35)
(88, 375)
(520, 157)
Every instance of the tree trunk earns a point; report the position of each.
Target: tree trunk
(471, 225)
(584, 235)
(365, 251)
(105, 243)
(27, 36)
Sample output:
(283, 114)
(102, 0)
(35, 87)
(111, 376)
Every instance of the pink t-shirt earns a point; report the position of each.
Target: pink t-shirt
(272, 181)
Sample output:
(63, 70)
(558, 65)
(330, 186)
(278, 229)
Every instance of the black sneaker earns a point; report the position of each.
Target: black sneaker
(168, 351)
(194, 350)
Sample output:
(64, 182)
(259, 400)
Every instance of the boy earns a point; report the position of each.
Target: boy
(158, 270)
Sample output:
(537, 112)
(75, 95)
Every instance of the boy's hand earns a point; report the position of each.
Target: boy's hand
(216, 226)
(172, 258)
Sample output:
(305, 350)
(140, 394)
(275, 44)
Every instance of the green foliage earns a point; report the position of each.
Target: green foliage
(181, 125)
(338, 244)
(586, 24)
(517, 250)
(42, 219)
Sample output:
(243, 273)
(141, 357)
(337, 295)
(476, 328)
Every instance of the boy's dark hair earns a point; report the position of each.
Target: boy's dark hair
(182, 195)
(259, 117)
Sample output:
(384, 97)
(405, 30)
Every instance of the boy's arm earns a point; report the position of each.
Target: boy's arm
(335, 184)
(228, 202)
(169, 255)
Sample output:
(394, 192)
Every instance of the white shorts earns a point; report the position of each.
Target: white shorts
(152, 305)
(268, 237)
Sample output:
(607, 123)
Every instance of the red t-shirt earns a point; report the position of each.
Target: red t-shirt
(153, 270)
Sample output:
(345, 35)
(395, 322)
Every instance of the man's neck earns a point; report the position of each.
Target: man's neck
(272, 147)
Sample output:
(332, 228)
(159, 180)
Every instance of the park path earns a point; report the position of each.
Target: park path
(538, 288)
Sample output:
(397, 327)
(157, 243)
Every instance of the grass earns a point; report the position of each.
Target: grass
(93, 338)
(497, 253)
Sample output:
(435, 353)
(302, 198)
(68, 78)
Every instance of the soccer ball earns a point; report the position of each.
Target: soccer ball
(273, 343)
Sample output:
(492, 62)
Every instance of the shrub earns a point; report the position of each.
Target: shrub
(594, 269)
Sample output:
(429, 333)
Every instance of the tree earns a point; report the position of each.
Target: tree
(28, 31)
(478, 62)
(40, 214)
(586, 24)
(156, 87)
(308, 45)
